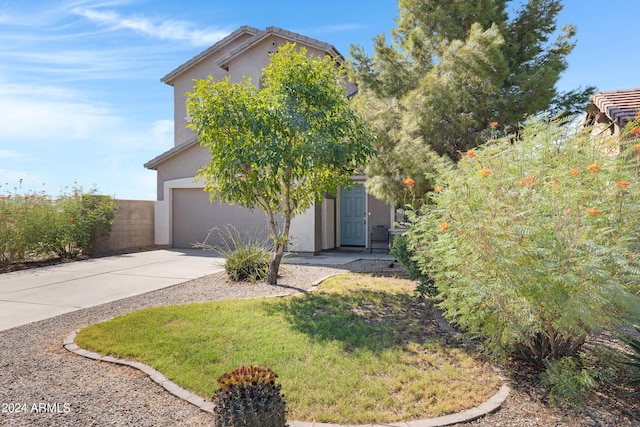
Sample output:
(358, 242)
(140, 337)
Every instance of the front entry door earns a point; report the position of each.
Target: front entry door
(353, 216)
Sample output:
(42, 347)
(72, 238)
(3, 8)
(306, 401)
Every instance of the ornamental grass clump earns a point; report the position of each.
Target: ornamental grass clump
(541, 243)
(246, 256)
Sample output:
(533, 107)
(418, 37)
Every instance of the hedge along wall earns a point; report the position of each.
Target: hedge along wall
(133, 228)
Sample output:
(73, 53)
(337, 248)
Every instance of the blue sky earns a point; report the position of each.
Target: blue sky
(80, 93)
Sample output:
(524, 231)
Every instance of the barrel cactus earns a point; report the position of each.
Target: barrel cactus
(249, 397)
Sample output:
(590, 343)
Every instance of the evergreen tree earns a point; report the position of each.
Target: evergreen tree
(456, 73)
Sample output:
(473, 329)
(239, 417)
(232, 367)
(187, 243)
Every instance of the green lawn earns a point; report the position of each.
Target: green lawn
(359, 350)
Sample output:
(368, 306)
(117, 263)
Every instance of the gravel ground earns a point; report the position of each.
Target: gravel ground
(42, 384)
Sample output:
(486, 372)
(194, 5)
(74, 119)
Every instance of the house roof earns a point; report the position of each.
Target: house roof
(255, 37)
(245, 29)
(289, 35)
(620, 106)
(153, 163)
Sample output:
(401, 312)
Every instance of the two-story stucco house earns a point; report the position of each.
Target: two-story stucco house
(184, 214)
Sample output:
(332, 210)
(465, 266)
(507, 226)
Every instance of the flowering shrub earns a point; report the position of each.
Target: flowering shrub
(533, 242)
(22, 219)
(37, 225)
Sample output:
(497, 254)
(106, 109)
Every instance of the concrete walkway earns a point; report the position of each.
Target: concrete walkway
(40, 293)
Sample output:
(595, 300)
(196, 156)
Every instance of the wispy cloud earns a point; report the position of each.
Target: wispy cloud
(67, 136)
(49, 113)
(9, 154)
(167, 30)
(73, 65)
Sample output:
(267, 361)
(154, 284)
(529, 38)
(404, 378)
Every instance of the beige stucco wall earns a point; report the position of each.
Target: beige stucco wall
(378, 212)
(133, 228)
(249, 64)
(184, 83)
(183, 165)
(315, 229)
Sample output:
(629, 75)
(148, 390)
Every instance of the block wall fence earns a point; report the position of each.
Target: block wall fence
(133, 228)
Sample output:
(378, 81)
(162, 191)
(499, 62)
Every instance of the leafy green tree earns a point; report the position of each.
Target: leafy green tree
(533, 241)
(454, 67)
(284, 146)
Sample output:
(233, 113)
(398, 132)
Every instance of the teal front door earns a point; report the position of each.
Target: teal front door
(353, 216)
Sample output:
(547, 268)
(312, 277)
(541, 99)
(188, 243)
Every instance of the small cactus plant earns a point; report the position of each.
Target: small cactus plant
(249, 397)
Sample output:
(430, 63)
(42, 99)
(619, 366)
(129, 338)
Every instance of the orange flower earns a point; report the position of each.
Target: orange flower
(409, 182)
(636, 148)
(529, 180)
(437, 189)
(71, 220)
(444, 225)
(635, 130)
(485, 172)
(622, 185)
(26, 197)
(471, 153)
(593, 167)
(493, 125)
(574, 171)
(593, 211)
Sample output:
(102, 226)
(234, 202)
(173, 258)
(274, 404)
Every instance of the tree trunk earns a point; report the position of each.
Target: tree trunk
(274, 265)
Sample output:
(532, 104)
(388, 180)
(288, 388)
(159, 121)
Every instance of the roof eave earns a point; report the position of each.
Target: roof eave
(289, 35)
(170, 77)
(156, 161)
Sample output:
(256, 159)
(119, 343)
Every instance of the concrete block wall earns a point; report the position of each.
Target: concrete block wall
(133, 228)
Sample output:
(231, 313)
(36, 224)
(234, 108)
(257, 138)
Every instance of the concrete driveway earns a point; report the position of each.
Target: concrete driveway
(40, 293)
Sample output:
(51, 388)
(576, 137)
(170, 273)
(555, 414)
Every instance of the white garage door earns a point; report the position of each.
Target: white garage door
(194, 215)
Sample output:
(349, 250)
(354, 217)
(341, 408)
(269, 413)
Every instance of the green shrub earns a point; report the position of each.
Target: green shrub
(567, 381)
(633, 360)
(533, 241)
(37, 225)
(79, 220)
(246, 257)
(23, 217)
(405, 254)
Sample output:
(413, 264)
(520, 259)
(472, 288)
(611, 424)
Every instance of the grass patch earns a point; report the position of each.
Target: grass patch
(361, 349)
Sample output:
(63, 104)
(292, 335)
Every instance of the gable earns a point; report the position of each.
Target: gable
(248, 42)
(219, 49)
(243, 53)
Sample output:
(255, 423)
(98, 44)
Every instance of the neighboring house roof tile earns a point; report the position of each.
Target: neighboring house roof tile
(620, 106)
(153, 163)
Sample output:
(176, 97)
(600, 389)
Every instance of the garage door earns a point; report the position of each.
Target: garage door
(194, 215)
